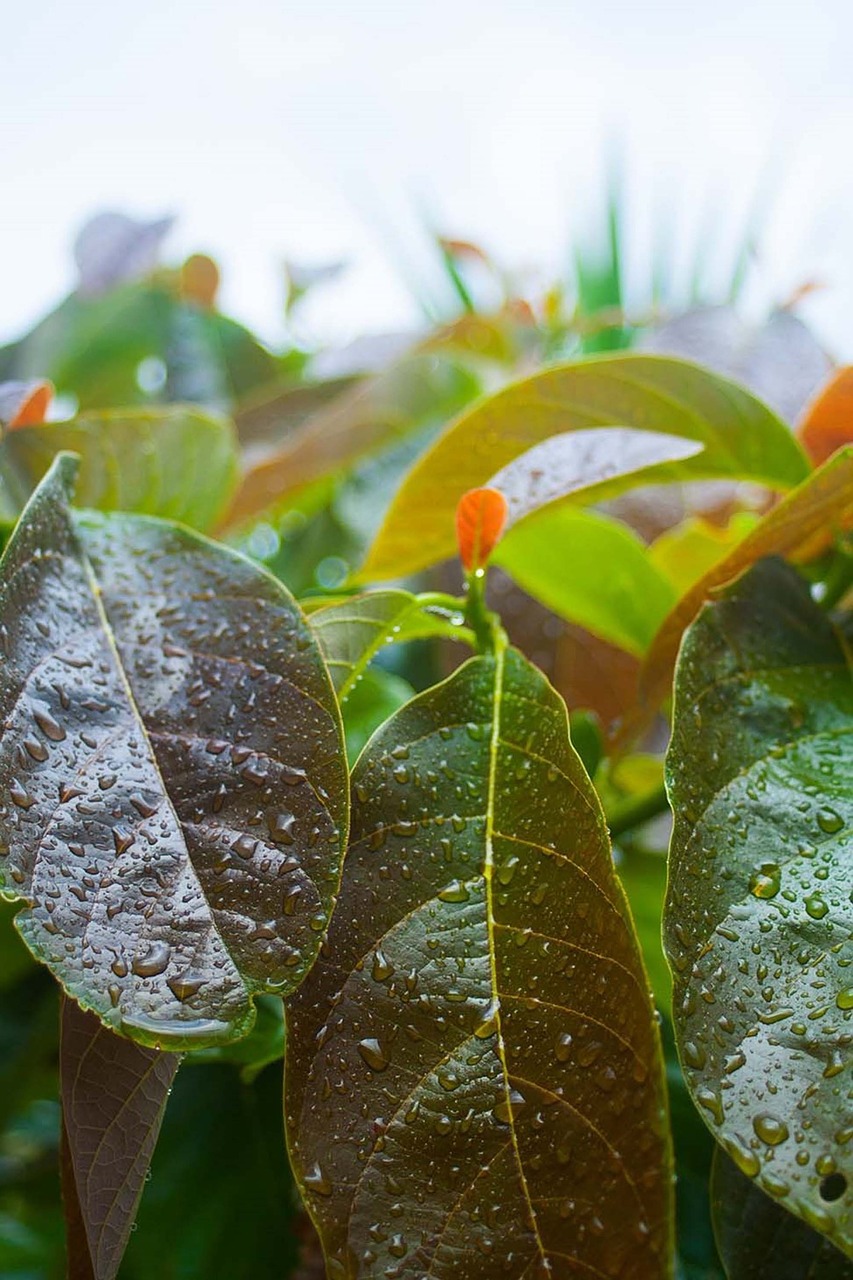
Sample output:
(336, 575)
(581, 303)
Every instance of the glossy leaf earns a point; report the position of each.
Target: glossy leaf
(114, 1093)
(418, 389)
(759, 1240)
(822, 500)
(827, 423)
(173, 779)
(758, 916)
(175, 462)
(591, 570)
(354, 630)
(577, 460)
(473, 1083)
(480, 518)
(741, 438)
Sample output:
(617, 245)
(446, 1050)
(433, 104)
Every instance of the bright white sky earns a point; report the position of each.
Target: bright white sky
(317, 130)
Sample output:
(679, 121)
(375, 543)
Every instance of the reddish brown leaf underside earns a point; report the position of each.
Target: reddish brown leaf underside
(114, 1094)
(827, 423)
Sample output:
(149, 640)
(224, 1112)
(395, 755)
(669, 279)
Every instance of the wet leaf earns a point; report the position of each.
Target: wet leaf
(591, 570)
(174, 461)
(474, 1079)
(759, 1240)
(741, 438)
(373, 701)
(577, 460)
(758, 913)
(827, 423)
(173, 779)
(823, 499)
(114, 1093)
(415, 391)
(354, 630)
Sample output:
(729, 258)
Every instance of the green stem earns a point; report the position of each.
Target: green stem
(488, 632)
(639, 809)
(838, 580)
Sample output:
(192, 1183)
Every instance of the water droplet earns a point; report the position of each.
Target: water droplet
(769, 1129)
(382, 967)
(829, 821)
(317, 1181)
(844, 999)
(456, 891)
(506, 1111)
(373, 1054)
(154, 961)
(765, 880)
(816, 906)
(563, 1047)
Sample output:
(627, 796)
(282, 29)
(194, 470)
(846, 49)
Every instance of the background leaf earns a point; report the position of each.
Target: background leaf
(175, 462)
(758, 911)
(592, 570)
(742, 439)
(473, 1067)
(826, 496)
(759, 1240)
(114, 1094)
(174, 785)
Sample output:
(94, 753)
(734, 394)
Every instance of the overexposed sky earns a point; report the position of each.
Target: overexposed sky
(321, 130)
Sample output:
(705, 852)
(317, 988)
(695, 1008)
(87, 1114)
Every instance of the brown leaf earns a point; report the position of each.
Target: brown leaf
(114, 1094)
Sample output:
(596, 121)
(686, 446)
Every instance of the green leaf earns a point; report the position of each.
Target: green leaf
(474, 1079)
(174, 803)
(353, 631)
(759, 1240)
(758, 915)
(591, 570)
(741, 437)
(175, 461)
(373, 701)
(114, 1094)
(822, 501)
(685, 553)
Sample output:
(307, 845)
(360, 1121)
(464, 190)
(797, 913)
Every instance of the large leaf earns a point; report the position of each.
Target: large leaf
(827, 423)
(173, 777)
(824, 498)
(353, 631)
(741, 438)
(176, 461)
(473, 1082)
(759, 1240)
(758, 916)
(114, 1093)
(591, 570)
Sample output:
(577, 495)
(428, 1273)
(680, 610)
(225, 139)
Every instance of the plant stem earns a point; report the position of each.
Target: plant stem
(488, 632)
(639, 809)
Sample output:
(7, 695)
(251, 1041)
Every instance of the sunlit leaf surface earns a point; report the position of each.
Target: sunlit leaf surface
(473, 1083)
(741, 438)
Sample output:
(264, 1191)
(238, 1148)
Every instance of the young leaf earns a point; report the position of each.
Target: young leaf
(473, 1083)
(480, 518)
(826, 496)
(741, 438)
(591, 570)
(173, 802)
(759, 1240)
(174, 461)
(827, 423)
(114, 1094)
(354, 630)
(23, 404)
(758, 911)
